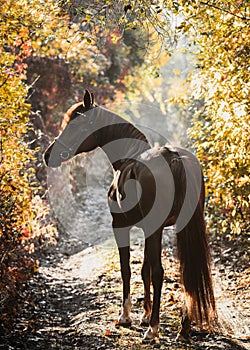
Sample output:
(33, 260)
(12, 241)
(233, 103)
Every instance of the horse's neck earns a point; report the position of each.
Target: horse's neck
(120, 140)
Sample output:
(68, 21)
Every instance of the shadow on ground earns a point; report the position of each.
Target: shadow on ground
(73, 304)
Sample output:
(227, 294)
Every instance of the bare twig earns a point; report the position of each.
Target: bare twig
(244, 18)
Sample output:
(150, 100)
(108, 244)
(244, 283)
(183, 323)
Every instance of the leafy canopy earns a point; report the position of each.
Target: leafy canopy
(218, 33)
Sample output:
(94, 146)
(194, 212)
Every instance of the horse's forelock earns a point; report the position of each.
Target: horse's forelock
(68, 115)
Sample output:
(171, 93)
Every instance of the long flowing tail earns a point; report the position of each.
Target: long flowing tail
(192, 242)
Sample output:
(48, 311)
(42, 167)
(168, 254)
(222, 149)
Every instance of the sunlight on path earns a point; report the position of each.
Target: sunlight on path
(81, 266)
(230, 317)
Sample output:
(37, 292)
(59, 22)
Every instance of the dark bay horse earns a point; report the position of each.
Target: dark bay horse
(152, 188)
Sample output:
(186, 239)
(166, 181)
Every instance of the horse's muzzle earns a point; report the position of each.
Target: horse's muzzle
(50, 159)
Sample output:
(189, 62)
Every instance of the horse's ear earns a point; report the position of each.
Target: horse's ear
(87, 99)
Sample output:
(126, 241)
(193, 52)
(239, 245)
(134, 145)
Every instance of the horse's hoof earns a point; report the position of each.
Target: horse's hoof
(144, 321)
(123, 322)
(151, 333)
(184, 338)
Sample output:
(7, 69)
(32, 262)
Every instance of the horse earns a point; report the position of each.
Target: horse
(152, 188)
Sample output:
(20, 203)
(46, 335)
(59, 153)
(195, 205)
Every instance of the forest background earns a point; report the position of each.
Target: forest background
(189, 59)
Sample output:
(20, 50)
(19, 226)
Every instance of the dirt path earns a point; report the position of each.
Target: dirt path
(233, 303)
(74, 299)
(233, 321)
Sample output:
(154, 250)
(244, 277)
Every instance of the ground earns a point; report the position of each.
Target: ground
(74, 299)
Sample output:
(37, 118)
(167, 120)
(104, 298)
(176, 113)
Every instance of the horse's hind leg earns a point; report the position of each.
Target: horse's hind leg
(124, 252)
(153, 251)
(145, 272)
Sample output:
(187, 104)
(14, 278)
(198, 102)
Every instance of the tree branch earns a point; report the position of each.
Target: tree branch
(244, 18)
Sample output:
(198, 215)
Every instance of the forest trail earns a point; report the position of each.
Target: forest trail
(74, 299)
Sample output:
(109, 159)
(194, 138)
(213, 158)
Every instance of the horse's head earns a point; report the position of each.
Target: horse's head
(76, 136)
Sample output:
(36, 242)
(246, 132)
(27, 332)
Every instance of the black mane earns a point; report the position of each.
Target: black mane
(119, 138)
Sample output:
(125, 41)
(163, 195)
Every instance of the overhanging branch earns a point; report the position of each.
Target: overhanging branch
(243, 18)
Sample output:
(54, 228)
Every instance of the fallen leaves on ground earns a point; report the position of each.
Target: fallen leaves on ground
(62, 310)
